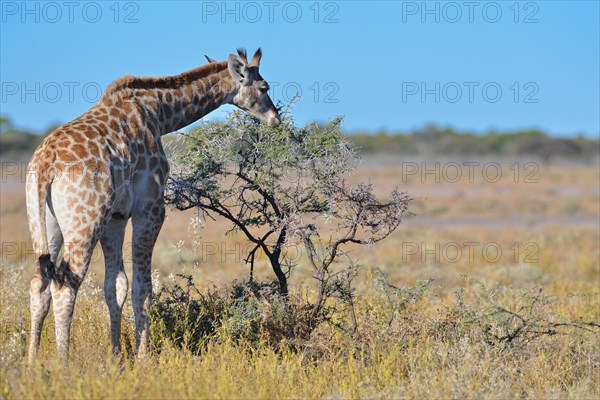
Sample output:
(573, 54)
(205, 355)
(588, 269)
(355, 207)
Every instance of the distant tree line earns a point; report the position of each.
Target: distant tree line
(431, 140)
(17, 144)
(435, 141)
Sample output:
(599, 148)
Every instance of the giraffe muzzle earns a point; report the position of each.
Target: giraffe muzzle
(274, 122)
(272, 118)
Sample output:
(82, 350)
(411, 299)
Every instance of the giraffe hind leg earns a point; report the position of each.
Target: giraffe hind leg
(77, 253)
(39, 290)
(76, 259)
(39, 304)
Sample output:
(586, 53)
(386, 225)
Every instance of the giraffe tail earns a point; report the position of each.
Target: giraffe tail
(38, 185)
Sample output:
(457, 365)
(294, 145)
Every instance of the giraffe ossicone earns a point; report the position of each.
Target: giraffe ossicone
(91, 175)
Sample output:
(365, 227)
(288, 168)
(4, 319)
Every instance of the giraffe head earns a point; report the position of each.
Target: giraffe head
(251, 92)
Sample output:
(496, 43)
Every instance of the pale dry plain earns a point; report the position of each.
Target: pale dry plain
(533, 231)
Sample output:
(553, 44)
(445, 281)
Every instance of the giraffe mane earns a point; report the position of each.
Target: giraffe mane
(164, 82)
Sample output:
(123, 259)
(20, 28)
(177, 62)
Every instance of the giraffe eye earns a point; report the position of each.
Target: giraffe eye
(264, 89)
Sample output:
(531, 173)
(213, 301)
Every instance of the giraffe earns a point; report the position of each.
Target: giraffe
(89, 177)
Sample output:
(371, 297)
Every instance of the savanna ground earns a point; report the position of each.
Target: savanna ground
(491, 289)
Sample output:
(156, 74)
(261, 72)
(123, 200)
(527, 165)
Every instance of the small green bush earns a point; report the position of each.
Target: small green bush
(250, 312)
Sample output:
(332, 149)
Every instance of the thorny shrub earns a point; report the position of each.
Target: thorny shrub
(257, 314)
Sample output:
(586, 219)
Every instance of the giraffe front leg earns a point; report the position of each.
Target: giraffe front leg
(115, 281)
(146, 226)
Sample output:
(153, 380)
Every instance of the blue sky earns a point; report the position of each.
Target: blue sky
(393, 65)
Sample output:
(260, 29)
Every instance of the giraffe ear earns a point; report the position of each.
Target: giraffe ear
(255, 62)
(210, 60)
(237, 68)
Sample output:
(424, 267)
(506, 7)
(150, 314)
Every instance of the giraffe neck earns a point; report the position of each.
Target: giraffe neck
(172, 103)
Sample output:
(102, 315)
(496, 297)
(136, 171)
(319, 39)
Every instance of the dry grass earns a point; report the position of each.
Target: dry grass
(437, 345)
